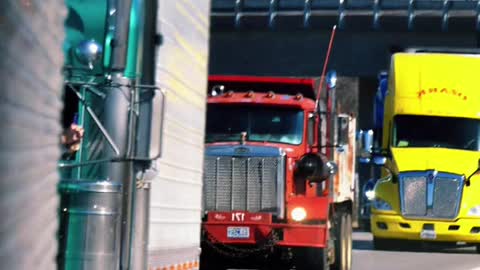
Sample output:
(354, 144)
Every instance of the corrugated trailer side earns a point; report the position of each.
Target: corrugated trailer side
(175, 204)
(31, 34)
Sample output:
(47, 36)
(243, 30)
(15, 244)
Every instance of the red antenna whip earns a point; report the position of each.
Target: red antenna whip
(322, 78)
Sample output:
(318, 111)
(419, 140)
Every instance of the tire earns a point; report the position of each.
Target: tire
(349, 232)
(208, 260)
(211, 265)
(356, 220)
(311, 259)
(478, 249)
(343, 242)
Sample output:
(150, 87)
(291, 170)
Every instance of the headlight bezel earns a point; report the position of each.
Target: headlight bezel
(474, 211)
(381, 205)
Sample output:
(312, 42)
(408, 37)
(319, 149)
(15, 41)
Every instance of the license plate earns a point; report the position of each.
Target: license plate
(428, 234)
(238, 232)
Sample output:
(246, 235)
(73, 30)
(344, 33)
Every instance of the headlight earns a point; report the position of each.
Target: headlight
(380, 204)
(475, 211)
(370, 194)
(299, 214)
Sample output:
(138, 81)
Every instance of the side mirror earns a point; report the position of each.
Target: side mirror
(313, 168)
(158, 115)
(467, 182)
(156, 128)
(365, 142)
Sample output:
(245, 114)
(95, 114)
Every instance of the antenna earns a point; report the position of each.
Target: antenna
(322, 78)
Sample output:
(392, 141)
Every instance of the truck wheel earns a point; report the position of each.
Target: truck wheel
(349, 232)
(208, 261)
(311, 259)
(211, 265)
(343, 242)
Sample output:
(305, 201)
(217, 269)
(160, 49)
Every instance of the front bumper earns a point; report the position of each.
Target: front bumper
(289, 235)
(396, 227)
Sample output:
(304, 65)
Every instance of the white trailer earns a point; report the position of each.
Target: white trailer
(175, 198)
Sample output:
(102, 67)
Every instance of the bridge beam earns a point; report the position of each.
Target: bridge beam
(349, 15)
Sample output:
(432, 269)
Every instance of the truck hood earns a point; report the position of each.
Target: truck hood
(460, 162)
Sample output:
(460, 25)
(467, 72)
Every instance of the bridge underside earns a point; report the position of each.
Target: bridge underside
(290, 37)
(353, 15)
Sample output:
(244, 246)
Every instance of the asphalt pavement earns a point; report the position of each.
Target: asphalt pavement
(366, 258)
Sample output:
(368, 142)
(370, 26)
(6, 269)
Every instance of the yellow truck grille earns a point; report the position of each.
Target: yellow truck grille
(430, 195)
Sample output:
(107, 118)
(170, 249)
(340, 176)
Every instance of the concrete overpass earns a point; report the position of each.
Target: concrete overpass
(289, 37)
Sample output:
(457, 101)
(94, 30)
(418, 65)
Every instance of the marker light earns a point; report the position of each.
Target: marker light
(270, 94)
(249, 94)
(229, 93)
(298, 214)
(331, 79)
(298, 96)
(217, 90)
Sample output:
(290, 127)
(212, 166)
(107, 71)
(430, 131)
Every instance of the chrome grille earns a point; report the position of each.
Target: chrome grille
(430, 194)
(415, 196)
(245, 183)
(446, 197)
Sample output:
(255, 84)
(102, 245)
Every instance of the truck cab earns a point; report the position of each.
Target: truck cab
(278, 174)
(430, 147)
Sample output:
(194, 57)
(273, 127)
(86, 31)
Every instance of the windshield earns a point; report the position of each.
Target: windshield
(434, 131)
(280, 125)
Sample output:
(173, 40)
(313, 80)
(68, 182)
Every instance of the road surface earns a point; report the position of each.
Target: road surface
(365, 258)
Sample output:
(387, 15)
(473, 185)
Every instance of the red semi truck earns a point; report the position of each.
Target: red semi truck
(279, 171)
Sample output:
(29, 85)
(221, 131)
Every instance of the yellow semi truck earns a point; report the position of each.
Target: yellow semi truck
(429, 189)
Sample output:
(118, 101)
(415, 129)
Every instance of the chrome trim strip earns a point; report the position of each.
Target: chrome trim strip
(217, 175)
(75, 186)
(431, 180)
(232, 184)
(247, 176)
(242, 151)
(281, 177)
(262, 177)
